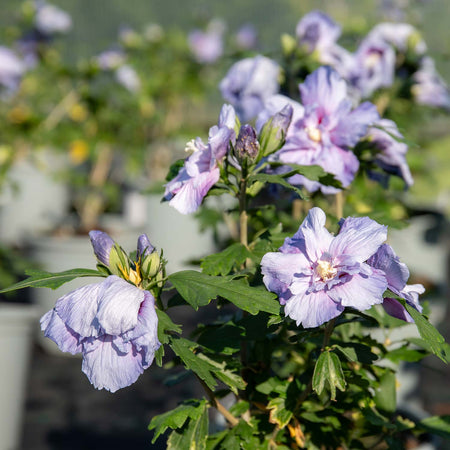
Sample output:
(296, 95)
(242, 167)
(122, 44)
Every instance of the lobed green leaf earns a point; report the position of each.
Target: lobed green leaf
(328, 371)
(199, 289)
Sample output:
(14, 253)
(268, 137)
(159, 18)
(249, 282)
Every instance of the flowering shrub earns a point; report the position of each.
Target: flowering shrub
(291, 359)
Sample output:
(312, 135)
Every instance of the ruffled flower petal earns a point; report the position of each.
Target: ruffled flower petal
(360, 292)
(107, 367)
(312, 310)
(78, 309)
(118, 305)
(360, 237)
(54, 328)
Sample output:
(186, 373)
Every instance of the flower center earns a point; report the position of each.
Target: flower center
(134, 277)
(325, 270)
(314, 134)
(372, 60)
(190, 146)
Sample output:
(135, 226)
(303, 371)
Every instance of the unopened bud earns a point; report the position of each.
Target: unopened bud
(150, 265)
(247, 145)
(274, 131)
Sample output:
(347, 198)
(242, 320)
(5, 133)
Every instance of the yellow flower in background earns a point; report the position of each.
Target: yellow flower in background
(18, 114)
(78, 151)
(78, 112)
(5, 153)
(362, 207)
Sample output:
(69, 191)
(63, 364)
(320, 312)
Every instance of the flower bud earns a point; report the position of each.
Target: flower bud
(274, 131)
(247, 145)
(102, 245)
(150, 265)
(144, 247)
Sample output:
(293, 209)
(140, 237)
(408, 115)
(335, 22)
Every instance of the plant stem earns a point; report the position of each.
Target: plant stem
(216, 403)
(93, 203)
(243, 218)
(339, 204)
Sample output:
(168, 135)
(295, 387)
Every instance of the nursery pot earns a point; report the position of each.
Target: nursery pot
(177, 234)
(24, 204)
(17, 323)
(59, 253)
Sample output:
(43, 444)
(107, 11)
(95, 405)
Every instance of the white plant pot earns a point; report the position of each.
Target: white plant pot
(177, 234)
(24, 204)
(56, 254)
(17, 323)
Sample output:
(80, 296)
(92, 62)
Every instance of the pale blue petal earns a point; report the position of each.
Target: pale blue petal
(144, 336)
(312, 310)
(106, 367)
(78, 309)
(359, 237)
(360, 292)
(55, 329)
(118, 306)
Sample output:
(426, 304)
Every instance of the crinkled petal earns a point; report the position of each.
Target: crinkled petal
(227, 117)
(354, 125)
(107, 367)
(78, 309)
(65, 338)
(397, 273)
(313, 309)
(360, 292)
(190, 196)
(411, 294)
(360, 237)
(281, 268)
(324, 88)
(317, 237)
(144, 336)
(118, 306)
(395, 309)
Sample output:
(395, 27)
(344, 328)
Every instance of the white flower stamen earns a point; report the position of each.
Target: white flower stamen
(325, 270)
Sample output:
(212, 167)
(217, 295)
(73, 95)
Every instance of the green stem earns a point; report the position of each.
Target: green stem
(243, 218)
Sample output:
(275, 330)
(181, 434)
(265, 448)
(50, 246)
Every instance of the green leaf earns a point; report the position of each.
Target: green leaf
(230, 378)
(222, 263)
(239, 408)
(200, 366)
(166, 326)
(174, 169)
(439, 425)
(428, 332)
(275, 179)
(405, 354)
(385, 393)
(328, 370)
(225, 339)
(313, 173)
(191, 409)
(356, 352)
(199, 289)
(193, 436)
(279, 414)
(39, 278)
